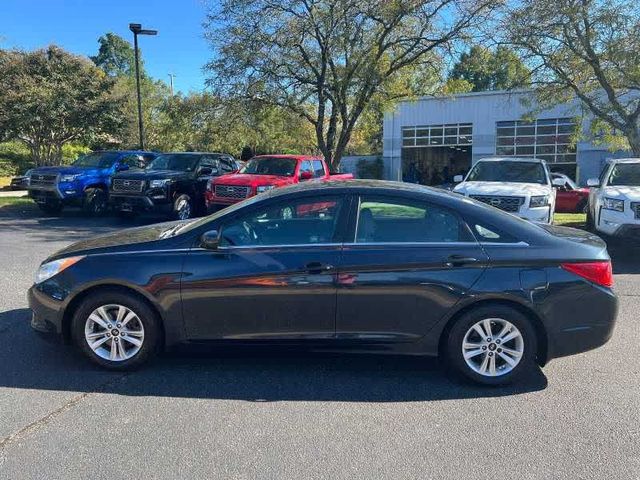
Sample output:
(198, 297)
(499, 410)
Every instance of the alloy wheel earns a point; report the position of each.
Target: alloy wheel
(184, 209)
(492, 347)
(114, 332)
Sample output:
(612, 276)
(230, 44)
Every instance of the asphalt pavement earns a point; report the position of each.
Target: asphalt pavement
(200, 415)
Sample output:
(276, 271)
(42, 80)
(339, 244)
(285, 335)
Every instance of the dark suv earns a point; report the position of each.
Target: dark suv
(173, 183)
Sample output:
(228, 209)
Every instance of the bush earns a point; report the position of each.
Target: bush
(373, 169)
(15, 158)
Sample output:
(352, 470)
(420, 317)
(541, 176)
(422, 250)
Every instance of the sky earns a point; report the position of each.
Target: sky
(76, 25)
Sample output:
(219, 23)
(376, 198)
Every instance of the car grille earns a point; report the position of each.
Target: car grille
(43, 180)
(232, 191)
(127, 186)
(635, 206)
(508, 204)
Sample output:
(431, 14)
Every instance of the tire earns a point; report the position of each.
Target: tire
(127, 215)
(95, 202)
(51, 207)
(183, 207)
(590, 225)
(499, 316)
(143, 327)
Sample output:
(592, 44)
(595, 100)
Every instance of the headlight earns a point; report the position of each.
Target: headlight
(160, 183)
(539, 201)
(613, 204)
(264, 188)
(68, 178)
(49, 269)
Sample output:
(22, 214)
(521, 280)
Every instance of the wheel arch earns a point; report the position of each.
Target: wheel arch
(99, 185)
(536, 321)
(77, 300)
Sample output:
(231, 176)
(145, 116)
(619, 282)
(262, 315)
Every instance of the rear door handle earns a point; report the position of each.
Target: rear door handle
(317, 267)
(458, 260)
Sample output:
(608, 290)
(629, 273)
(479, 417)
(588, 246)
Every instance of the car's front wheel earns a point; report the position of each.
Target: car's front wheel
(492, 345)
(183, 207)
(95, 202)
(116, 330)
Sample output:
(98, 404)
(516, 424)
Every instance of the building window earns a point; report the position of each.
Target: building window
(437, 135)
(548, 139)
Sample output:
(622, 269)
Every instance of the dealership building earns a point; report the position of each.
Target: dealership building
(431, 139)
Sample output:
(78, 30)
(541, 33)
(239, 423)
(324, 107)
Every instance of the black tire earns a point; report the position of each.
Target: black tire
(52, 207)
(590, 225)
(126, 214)
(95, 202)
(183, 207)
(147, 317)
(464, 323)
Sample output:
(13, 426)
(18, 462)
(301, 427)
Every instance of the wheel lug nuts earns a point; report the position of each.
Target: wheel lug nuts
(116, 339)
(498, 341)
(488, 339)
(119, 325)
(484, 347)
(108, 334)
(499, 350)
(490, 353)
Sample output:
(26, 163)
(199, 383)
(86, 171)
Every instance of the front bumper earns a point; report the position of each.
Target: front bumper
(154, 201)
(618, 224)
(47, 312)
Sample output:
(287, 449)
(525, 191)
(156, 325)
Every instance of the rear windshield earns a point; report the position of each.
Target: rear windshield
(180, 162)
(518, 172)
(283, 167)
(97, 159)
(627, 174)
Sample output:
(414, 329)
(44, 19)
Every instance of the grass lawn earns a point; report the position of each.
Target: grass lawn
(577, 220)
(15, 201)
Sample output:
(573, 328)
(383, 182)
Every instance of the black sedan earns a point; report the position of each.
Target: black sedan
(359, 266)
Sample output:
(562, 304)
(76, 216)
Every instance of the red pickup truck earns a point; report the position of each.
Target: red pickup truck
(265, 172)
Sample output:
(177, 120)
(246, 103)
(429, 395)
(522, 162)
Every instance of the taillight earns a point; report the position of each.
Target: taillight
(596, 272)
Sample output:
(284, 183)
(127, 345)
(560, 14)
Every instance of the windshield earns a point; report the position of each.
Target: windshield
(518, 172)
(283, 167)
(627, 174)
(98, 159)
(180, 162)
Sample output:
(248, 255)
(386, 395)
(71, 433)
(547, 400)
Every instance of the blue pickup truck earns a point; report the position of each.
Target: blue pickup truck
(85, 182)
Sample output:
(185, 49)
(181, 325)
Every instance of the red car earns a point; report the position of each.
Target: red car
(264, 172)
(569, 197)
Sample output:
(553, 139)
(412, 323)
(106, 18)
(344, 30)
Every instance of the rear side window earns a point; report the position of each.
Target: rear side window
(385, 220)
(490, 234)
(318, 168)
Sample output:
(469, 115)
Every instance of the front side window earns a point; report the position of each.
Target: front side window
(625, 174)
(383, 220)
(133, 161)
(507, 171)
(283, 167)
(179, 162)
(305, 221)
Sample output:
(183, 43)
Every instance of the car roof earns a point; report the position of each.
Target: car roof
(511, 159)
(195, 153)
(624, 160)
(292, 156)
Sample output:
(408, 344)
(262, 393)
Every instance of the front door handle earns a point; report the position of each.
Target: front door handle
(458, 260)
(317, 267)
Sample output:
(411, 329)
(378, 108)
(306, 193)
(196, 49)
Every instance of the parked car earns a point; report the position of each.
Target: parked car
(614, 200)
(173, 183)
(20, 182)
(570, 198)
(363, 266)
(521, 186)
(85, 182)
(265, 172)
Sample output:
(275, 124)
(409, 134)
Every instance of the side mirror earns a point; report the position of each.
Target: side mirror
(306, 175)
(557, 182)
(458, 179)
(593, 182)
(210, 240)
(121, 167)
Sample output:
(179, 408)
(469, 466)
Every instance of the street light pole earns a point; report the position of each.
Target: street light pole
(136, 28)
(171, 76)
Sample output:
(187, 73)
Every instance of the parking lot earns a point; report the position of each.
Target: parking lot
(306, 416)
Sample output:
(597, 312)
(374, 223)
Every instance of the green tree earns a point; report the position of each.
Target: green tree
(324, 60)
(115, 56)
(483, 70)
(51, 98)
(589, 50)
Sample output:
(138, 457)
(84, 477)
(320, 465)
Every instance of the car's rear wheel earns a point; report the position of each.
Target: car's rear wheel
(183, 207)
(492, 345)
(116, 330)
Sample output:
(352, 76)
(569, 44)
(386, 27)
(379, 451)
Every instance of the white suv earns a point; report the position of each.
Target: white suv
(521, 186)
(614, 199)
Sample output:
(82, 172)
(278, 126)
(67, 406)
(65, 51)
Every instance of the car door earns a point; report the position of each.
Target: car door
(406, 266)
(272, 276)
(565, 201)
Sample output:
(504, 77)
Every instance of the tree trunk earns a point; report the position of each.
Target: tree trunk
(633, 136)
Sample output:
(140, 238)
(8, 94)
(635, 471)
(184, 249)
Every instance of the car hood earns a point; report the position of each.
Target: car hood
(118, 241)
(245, 179)
(502, 188)
(624, 193)
(152, 174)
(68, 170)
